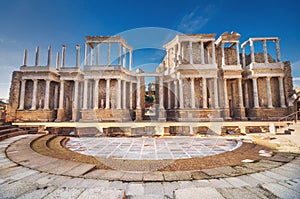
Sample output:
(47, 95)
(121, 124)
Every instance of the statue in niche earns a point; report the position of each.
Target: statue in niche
(102, 103)
(40, 104)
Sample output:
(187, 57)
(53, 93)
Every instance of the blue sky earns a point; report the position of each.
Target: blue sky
(146, 25)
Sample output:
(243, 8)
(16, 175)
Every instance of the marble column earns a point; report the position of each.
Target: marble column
(240, 93)
(223, 54)
(85, 94)
(47, 95)
(119, 94)
(124, 94)
(243, 57)
(225, 93)
(181, 102)
(252, 51)
(138, 93)
(130, 60)
(204, 93)
(61, 95)
(169, 95)
(265, 51)
(255, 93)
(119, 53)
(98, 55)
(77, 56)
(25, 57)
(281, 92)
(34, 92)
(175, 57)
(49, 56)
(193, 93)
(75, 100)
(55, 97)
(179, 53)
(130, 95)
(57, 61)
(278, 51)
(86, 54)
(176, 94)
(124, 57)
(213, 52)
(202, 52)
(191, 52)
(246, 94)
(96, 94)
(63, 63)
(269, 93)
(22, 94)
(161, 93)
(107, 96)
(237, 53)
(108, 53)
(37, 56)
(92, 55)
(216, 97)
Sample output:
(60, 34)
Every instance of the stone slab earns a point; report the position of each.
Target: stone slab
(153, 177)
(65, 193)
(135, 189)
(280, 190)
(15, 189)
(95, 174)
(132, 177)
(203, 192)
(38, 193)
(199, 175)
(219, 183)
(153, 189)
(112, 175)
(236, 182)
(79, 170)
(95, 193)
(237, 193)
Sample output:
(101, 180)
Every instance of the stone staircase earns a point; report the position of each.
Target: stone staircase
(8, 130)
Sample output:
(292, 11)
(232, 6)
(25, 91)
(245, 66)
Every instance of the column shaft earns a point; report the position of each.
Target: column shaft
(216, 96)
(85, 94)
(57, 61)
(92, 55)
(161, 93)
(34, 92)
(223, 54)
(108, 54)
(181, 102)
(49, 56)
(243, 57)
(55, 97)
(204, 93)
(96, 93)
(213, 53)
(191, 52)
(77, 56)
(25, 57)
(130, 60)
(169, 95)
(225, 94)
(130, 95)
(124, 57)
(119, 94)
(47, 90)
(61, 95)
(278, 51)
(240, 91)
(98, 55)
(193, 93)
(269, 93)
(138, 93)
(246, 94)
(237, 53)
(255, 93)
(75, 100)
(252, 51)
(202, 52)
(265, 51)
(22, 95)
(124, 95)
(107, 96)
(281, 92)
(176, 94)
(86, 54)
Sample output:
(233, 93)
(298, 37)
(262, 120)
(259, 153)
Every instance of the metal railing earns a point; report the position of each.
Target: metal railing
(290, 117)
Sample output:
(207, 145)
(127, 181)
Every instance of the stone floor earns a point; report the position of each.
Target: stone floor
(152, 148)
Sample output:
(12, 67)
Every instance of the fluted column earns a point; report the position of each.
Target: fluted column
(204, 93)
(169, 95)
(107, 106)
(37, 56)
(237, 53)
(175, 57)
(213, 52)
(202, 52)
(85, 93)
(96, 93)
(55, 97)
(63, 63)
(240, 92)
(130, 95)
(225, 93)
(255, 93)
(75, 100)
(191, 52)
(265, 51)
(77, 56)
(86, 54)
(47, 90)
(252, 51)
(49, 56)
(269, 92)
(193, 93)
(108, 54)
(138, 93)
(61, 95)
(25, 57)
(130, 60)
(281, 92)
(223, 54)
(22, 94)
(181, 102)
(124, 94)
(246, 95)
(119, 94)
(161, 93)
(179, 53)
(176, 94)
(278, 51)
(216, 96)
(34, 92)
(92, 55)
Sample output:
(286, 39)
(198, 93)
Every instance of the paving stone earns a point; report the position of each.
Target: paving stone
(249, 180)
(237, 193)
(204, 192)
(37, 193)
(19, 176)
(15, 189)
(5, 173)
(132, 177)
(201, 183)
(284, 172)
(79, 169)
(292, 184)
(219, 183)
(177, 175)
(59, 180)
(280, 158)
(262, 178)
(117, 185)
(169, 188)
(199, 175)
(153, 177)
(73, 182)
(261, 193)
(95, 174)
(135, 189)
(186, 184)
(102, 184)
(280, 190)
(274, 175)
(112, 175)
(219, 172)
(65, 193)
(236, 182)
(153, 189)
(103, 194)
(46, 179)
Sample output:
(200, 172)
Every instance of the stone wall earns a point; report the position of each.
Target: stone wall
(13, 96)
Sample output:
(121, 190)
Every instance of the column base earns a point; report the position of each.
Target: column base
(138, 115)
(227, 114)
(161, 115)
(75, 115)
(60, 115)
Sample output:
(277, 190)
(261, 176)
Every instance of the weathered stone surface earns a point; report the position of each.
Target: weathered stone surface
(132, 176)
(103, 194)
(280, 190)
(204, 192)
(153, 177)
(65, 193)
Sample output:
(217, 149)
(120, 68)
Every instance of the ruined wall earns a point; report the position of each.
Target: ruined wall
(259, 58)
(230, 56)
(288, 79)
(13, 96)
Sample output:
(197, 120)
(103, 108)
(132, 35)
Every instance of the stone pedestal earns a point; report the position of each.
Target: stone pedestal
(138, 115)
(242, 114)
(75, 114)
(162, 115)
(60, 115)
(227, 114)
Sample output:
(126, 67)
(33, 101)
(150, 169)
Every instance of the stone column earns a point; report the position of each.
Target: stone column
(130, 60)
(119, 53)
(169, 95)
(255, 93)
(107, 96)
(240, 91)
(252, 51)
(47, 97)
(265, 51)
(223, 54)
(204, 93)
(57, 61)
(281, 92)
(34, 92)
(216, 97)
(55, 97)
(108, 53)
(75, 100)
(49, 56)
(77, 56)
(130, 95)
(37, 56)
(269, 92)
(161, 93)
(22, 94)
(25, 57)
(181, 102)
(176, 94)
(175, 57)
(85, 94)
(98, 55)
(237, 53)
(202, 52)
(243, 57)
(61, 95)
(191, 52)
(246, 95)
(278, 51)
(96, 94)
(119, 94)
(124, 57)
(225, 93)
(63, 63)
(92, 55)
(179, 53)
(86, 54)
(213, 52)
(124, 94)
(138, 93)
(193, 93)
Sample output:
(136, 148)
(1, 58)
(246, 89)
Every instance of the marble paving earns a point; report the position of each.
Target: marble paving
(151, 148)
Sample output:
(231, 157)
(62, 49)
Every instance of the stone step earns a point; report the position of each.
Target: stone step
(203, 192)
(280, 190)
